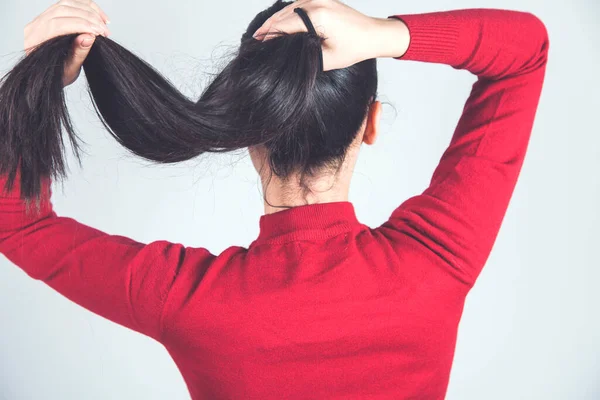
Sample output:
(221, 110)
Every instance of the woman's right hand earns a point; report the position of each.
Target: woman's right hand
(68, 17)
(350, 36)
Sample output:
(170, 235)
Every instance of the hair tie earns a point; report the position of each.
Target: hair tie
(311, 29)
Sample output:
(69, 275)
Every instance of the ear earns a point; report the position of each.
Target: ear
(372, 128)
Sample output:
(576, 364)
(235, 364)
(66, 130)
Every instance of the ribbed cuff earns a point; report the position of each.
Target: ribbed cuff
(434, 37)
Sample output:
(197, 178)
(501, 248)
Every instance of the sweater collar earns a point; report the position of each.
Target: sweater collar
(309, 222)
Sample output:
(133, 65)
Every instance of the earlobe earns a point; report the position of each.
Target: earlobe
(372, 128)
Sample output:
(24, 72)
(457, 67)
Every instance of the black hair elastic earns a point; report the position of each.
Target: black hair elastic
(311, 29)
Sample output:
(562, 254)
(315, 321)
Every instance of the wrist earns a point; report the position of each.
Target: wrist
(391, 37)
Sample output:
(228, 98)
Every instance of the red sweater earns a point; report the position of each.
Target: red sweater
(320, 306)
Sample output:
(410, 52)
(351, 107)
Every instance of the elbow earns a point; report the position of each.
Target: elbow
(541, 39)
(533, 44)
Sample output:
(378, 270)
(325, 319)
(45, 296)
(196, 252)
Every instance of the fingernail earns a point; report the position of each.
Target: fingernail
(107, 21)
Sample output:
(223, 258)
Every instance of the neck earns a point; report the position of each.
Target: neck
(281, 195)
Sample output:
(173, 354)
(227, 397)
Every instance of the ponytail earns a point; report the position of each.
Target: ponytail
(271, 93)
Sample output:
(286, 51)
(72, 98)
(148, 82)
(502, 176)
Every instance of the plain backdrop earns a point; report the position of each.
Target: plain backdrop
(530, 328)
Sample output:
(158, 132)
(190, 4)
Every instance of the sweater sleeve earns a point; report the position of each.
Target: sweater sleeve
(458, 216)
(113, 276)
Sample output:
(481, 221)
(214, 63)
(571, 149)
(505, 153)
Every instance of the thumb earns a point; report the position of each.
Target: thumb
(81, 48)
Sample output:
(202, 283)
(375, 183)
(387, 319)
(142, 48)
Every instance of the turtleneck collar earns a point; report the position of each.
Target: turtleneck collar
(314, 221)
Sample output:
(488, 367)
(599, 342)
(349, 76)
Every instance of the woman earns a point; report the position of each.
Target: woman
(319, 305)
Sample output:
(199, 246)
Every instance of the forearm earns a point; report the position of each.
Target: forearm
(490, 43)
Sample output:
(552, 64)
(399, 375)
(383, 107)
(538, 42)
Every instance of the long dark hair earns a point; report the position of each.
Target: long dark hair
(272, 93)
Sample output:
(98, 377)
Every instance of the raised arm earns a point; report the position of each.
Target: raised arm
(457, 218)
(123, 280)
(459, 215)
(113, 276)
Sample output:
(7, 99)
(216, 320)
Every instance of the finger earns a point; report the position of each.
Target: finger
(63, 11)
(81, 48)
(271, 27)
(95, 6)
(69, 25)
(268, 24)
(290, 24)
(86, 5)
(285, 20)
(263, 30)
(100, 11)
(288, 10)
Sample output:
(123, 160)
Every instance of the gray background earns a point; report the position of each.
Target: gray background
(530, 328)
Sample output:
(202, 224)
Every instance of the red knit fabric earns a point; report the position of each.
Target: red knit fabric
(320, 306)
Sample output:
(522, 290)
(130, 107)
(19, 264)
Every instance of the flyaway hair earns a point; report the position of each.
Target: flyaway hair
(272, 93)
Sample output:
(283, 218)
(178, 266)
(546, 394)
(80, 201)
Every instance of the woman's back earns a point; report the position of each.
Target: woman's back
(319, 304)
